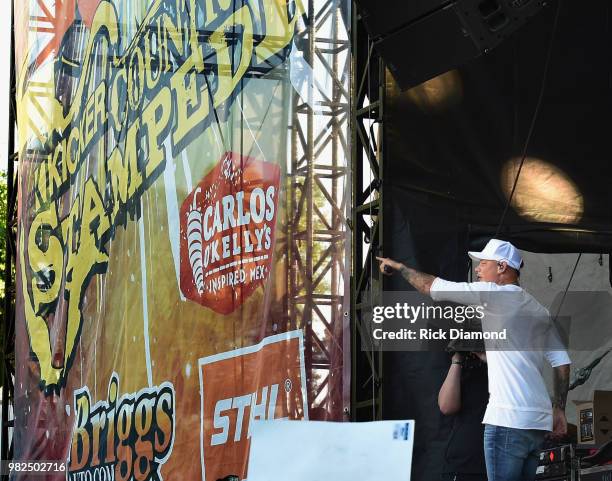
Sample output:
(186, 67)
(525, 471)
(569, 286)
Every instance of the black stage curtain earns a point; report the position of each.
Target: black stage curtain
(450, 154)
(433, 241)
(444, 163)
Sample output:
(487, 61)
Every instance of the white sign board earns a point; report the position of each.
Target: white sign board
(323, 451)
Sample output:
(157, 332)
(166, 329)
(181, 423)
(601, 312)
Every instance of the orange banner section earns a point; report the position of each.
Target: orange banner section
(265, 381)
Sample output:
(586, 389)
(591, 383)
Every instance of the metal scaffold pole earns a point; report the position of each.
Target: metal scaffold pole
(367, 221)
(8, 324)
(317, 231)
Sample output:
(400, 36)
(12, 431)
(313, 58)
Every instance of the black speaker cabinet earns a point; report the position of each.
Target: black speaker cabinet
(420, 39)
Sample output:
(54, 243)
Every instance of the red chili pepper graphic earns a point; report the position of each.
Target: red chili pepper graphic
(195, 232)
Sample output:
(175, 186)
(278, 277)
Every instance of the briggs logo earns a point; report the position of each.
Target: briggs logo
(227, 232)
(123, 438)
(265, 381)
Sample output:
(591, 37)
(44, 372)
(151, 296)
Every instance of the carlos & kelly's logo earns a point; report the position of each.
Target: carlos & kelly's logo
(227, 232)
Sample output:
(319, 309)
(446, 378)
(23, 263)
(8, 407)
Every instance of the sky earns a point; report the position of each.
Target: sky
(5, 38)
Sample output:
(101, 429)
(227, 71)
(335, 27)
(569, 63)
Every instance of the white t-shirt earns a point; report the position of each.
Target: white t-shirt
(518, 395)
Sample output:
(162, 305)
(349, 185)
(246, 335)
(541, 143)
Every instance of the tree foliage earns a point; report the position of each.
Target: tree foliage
(3, 227)
(3, 233)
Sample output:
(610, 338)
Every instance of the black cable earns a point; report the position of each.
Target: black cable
(533, 119)
(567, 287)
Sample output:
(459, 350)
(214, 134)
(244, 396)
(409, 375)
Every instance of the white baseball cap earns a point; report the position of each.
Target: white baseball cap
(498, 250)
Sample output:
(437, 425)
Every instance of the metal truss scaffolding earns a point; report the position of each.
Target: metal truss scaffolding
(367, 220)
(316, 231)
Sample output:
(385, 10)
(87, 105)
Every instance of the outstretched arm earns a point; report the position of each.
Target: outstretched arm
(561, 387)
(419, 280)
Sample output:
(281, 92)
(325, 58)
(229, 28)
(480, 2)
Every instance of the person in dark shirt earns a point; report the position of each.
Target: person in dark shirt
(465, 394)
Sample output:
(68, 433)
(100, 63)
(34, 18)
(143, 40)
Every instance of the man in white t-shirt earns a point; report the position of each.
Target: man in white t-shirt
(519, 413)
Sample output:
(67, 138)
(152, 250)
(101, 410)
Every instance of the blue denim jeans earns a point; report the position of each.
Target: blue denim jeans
(512, 454)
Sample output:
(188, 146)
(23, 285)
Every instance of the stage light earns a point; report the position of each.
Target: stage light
(439, 93)
(544, 193)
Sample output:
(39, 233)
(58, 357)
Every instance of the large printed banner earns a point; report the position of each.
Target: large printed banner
(152, 319)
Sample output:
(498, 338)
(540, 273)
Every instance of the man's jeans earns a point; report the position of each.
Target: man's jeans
(512, 454)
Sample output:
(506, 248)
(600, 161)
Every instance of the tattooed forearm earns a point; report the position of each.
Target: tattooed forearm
(561, 381)
(419, 280)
